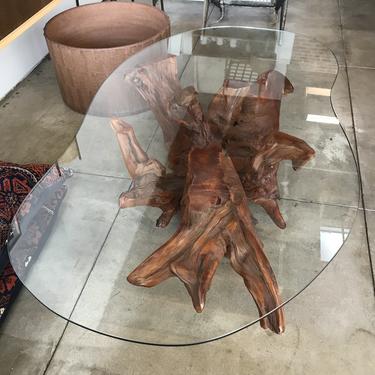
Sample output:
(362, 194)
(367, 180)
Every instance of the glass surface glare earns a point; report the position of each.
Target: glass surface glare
(91, 245)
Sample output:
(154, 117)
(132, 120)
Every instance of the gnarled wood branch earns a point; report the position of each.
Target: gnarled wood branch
(218, 163)
(215, 222)
(252, 138)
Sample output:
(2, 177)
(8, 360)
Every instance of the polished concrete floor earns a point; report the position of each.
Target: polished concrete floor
(331, 325)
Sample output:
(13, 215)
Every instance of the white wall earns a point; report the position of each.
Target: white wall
(20, 56)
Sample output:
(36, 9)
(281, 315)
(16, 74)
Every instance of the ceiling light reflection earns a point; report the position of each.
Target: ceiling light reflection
(322, 119)
(331, 239)
(318, 91)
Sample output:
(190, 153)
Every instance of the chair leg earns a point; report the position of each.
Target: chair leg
(283, 11)
(222, 10)
(206, 6)
(221, 5)
(154, 2)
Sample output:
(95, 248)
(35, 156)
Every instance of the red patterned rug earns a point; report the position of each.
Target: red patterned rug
(16, 181)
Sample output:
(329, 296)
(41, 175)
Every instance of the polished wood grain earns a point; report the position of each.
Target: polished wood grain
(217, 163)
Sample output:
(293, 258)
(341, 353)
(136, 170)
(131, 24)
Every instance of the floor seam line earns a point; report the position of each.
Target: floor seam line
(55, 349)
(83, 288)
(361, 67)
(356, 149)
(100, 175)
(318, 203)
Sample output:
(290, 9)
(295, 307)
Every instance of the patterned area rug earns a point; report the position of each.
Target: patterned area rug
(16, 181)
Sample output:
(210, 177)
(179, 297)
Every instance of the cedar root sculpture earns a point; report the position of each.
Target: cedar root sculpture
(217, 163)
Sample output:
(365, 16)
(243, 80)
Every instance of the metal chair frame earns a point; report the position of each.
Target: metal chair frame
(282, 11)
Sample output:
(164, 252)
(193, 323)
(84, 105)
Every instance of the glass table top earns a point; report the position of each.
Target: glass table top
(74, 247)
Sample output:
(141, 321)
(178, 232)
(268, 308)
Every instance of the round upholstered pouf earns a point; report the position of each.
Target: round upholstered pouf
(87, 43)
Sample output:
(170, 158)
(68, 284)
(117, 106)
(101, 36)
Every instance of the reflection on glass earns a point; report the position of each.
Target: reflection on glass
(322, 119)
(318, 91)
(331, 239)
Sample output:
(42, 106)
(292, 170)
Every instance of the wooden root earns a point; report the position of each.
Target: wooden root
(252, 138)
(218, 163)
(215, 222)
(152, 186)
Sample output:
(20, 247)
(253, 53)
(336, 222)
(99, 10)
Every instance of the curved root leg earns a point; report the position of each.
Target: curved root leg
(139, 197)
(155, 269)
(263, 171)
(248, 260)
(151, 185)
(297, 150)
(136, 160)
(272, 208)
(197, 268)
(165, 217)
(283, 147)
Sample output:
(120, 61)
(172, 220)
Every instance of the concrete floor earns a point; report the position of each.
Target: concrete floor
(331, 325)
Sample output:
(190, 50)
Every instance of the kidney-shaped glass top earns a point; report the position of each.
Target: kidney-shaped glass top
(220, 91)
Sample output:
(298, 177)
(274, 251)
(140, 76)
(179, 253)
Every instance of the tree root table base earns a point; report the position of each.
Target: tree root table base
(218, 162)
